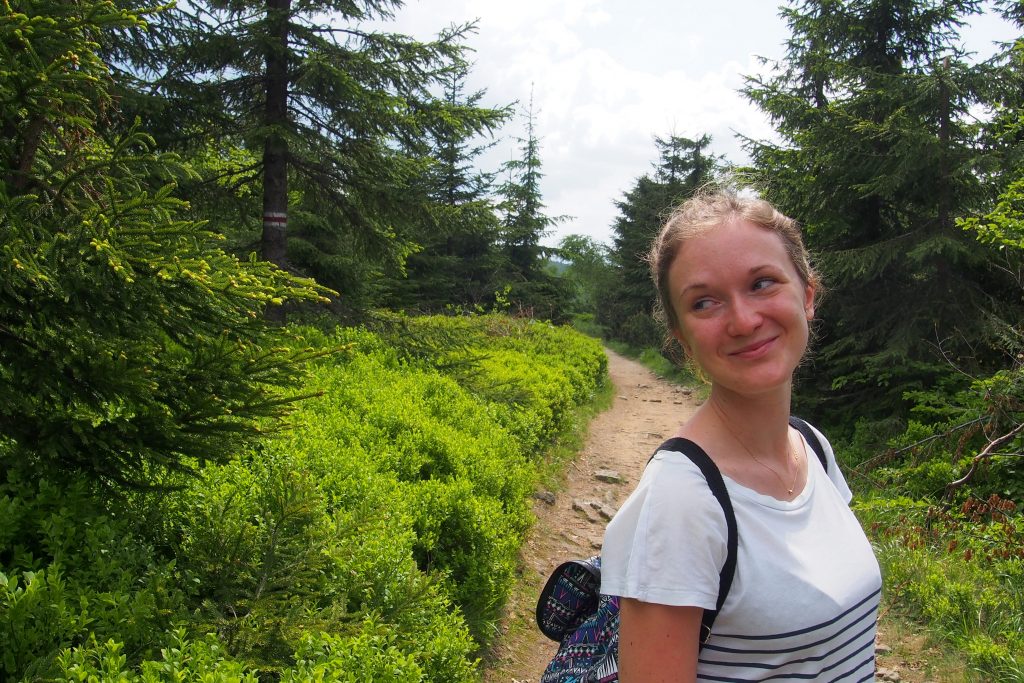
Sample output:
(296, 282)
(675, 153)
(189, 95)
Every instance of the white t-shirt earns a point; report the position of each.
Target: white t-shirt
(804, 600)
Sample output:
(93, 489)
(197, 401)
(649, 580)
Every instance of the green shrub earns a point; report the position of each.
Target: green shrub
(376, 540)
(202, 661)
(959, 571)
(71, 570)
(641, 330)
(131, 339)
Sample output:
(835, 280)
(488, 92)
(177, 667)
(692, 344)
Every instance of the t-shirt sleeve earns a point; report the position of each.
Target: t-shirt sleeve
(667, 543)
(834, 472)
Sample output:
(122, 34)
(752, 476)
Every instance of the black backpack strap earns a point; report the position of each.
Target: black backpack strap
(811, 438)
(710, 471)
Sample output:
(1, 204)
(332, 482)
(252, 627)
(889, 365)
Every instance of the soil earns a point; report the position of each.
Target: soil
(570, 522)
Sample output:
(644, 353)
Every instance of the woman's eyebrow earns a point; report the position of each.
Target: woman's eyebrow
(701, 285)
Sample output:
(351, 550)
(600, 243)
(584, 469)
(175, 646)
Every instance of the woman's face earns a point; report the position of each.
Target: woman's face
(742, 308)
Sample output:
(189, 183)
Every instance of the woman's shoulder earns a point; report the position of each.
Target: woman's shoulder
(673, 483)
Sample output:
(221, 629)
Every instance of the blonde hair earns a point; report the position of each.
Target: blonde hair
(707, 209)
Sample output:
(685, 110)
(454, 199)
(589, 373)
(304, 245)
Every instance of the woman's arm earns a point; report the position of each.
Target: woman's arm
(657, 642)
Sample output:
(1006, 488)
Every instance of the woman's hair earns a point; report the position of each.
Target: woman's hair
(706, 210)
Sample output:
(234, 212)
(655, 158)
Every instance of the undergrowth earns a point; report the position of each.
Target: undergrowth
(376, 540)
(958, 572)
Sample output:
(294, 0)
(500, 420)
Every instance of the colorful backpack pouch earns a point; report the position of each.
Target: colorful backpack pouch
(569, 597)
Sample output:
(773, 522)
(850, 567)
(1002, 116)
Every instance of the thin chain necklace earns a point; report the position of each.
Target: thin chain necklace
(792, 451)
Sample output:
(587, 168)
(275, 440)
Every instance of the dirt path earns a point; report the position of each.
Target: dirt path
(646, 411)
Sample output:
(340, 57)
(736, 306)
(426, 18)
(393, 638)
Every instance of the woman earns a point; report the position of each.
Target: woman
(738, 295)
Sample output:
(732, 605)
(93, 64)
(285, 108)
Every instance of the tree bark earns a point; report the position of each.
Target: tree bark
(274, 240)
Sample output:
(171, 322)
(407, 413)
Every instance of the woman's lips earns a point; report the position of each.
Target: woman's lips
(754, 350)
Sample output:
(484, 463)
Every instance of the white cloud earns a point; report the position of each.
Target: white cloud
(606, 77)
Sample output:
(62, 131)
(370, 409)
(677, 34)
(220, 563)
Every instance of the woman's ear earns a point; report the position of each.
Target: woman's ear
(809, 302)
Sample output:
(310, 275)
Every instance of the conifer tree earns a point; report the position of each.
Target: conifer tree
(329, 109)
(879, 157)
(458, 230)
(683, 166)
(130, 343)
(524, 224)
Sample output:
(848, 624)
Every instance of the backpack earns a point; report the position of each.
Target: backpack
(572, 610)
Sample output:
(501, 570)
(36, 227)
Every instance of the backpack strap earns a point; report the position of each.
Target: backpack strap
(710, 471)
(811, 438)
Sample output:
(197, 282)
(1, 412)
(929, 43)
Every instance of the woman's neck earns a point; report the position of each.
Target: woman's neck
(760, 423)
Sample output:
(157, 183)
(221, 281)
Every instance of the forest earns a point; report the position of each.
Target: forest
(281, 363)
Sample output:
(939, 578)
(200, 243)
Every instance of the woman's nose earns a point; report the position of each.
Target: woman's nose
(744, 317)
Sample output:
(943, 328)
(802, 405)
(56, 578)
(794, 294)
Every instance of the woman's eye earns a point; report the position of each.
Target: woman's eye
(763, 283)
(701, 304)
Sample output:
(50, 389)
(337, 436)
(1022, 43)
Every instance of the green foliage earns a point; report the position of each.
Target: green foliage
(374, 655)
(128, 339)
(340, 127)
(375, 541)
(641, 330)
(459, 256)
(70, 571)
(960, 571)
(182, 660)
(627, 306)
(590, 272)
(879, 156)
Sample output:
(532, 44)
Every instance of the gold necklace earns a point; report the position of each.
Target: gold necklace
(792, 451)
(796, 465)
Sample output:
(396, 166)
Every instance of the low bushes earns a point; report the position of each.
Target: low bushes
(959, 571)
(374, 541)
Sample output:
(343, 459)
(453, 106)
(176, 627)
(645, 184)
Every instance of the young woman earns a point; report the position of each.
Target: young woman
(738, 294)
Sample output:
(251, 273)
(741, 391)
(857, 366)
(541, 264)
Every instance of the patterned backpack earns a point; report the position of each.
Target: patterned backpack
(572, 610)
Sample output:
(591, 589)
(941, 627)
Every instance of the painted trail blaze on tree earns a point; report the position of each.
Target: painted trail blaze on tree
(338, 121)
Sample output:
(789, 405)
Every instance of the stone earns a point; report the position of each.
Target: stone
(546, 496)
(586, 509)
(606, 512)
(884, 674)
(608, 476)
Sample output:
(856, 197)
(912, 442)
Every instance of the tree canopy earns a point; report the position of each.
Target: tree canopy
(130, 342)
(879, 155)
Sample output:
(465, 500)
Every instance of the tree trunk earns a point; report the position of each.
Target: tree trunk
(275, 147)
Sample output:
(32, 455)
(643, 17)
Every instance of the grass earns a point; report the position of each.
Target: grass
(655, 361)
(569, 442)
(918, 655)
(957, 579)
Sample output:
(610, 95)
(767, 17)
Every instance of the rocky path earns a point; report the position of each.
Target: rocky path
(570, 523)
(646, 411)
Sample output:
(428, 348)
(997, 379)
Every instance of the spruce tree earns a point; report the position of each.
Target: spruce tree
(329, 110)
(879, 157)
(458, 230)
(683, 166)
(531, 287)
(130, 343)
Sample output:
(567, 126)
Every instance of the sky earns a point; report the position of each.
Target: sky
(607, 76)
